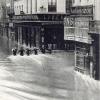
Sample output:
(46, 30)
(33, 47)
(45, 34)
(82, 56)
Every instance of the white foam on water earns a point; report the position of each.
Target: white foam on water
(32, 58)
(86, 88)
(88, 80)
(36, 58)
(11, 94)
(4, 73)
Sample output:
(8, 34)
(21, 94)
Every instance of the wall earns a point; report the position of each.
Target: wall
(17, 8)
(97, 10)
(83, 2)
(41, 3)
(61, 6)
(33, 8)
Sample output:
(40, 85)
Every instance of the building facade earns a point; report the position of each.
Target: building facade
(61, 24)
(81, 33)
(39, 6)
(39, 22)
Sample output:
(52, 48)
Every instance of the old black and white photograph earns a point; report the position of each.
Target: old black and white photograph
(49, 49)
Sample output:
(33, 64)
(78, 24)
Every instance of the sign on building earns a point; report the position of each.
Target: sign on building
(69, 30)
(82, 10)
(77, 28)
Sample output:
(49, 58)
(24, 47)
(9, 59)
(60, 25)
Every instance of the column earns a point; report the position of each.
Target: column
(20, 35)
(91, 61)
(37, 36)
(99, 57)
(42, 36)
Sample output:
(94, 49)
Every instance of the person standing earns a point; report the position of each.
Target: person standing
(28, 51)
(21, 51)
(35, 50)
(14, 51)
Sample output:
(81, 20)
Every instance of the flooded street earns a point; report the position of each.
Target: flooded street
(49, 50)
(40, 77)
(44, 77)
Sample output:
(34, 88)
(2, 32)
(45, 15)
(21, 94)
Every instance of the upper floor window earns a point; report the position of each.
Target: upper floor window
(69, 4)
(73, 1)
(22, 7)
(52, 4)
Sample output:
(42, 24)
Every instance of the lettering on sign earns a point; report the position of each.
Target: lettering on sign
(69, 21)
(25, 17)
(82, 10)
(40, 17)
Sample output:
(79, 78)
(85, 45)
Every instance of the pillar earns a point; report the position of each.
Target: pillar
(37, 36)
(99, 57)
(20, 35)
(91, 61)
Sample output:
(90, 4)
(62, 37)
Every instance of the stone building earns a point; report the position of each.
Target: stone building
(81, 34)
(61, 24)
(39, 22)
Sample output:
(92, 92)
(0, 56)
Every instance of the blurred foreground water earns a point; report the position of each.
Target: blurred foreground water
(44, 77)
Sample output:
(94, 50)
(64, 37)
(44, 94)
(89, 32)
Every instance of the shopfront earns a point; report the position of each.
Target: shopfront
(77, 37)
(40, 30)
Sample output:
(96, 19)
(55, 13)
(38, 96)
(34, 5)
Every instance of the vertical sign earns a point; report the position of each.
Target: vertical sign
(69, 24)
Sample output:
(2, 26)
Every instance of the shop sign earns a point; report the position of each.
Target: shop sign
(72, 34)
(40, 17)
(76, 29)
(69, 21)
(26, 17)
(69, 33)
(82, 10)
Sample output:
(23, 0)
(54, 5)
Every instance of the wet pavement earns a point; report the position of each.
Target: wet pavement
(44, 77)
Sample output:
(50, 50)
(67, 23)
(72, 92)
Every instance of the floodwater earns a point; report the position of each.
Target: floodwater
(44, 77)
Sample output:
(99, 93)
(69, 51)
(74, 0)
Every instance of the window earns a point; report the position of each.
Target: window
(27, 6)
(52, 4)
(22, 7)
(73, 1)
(69, 4)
